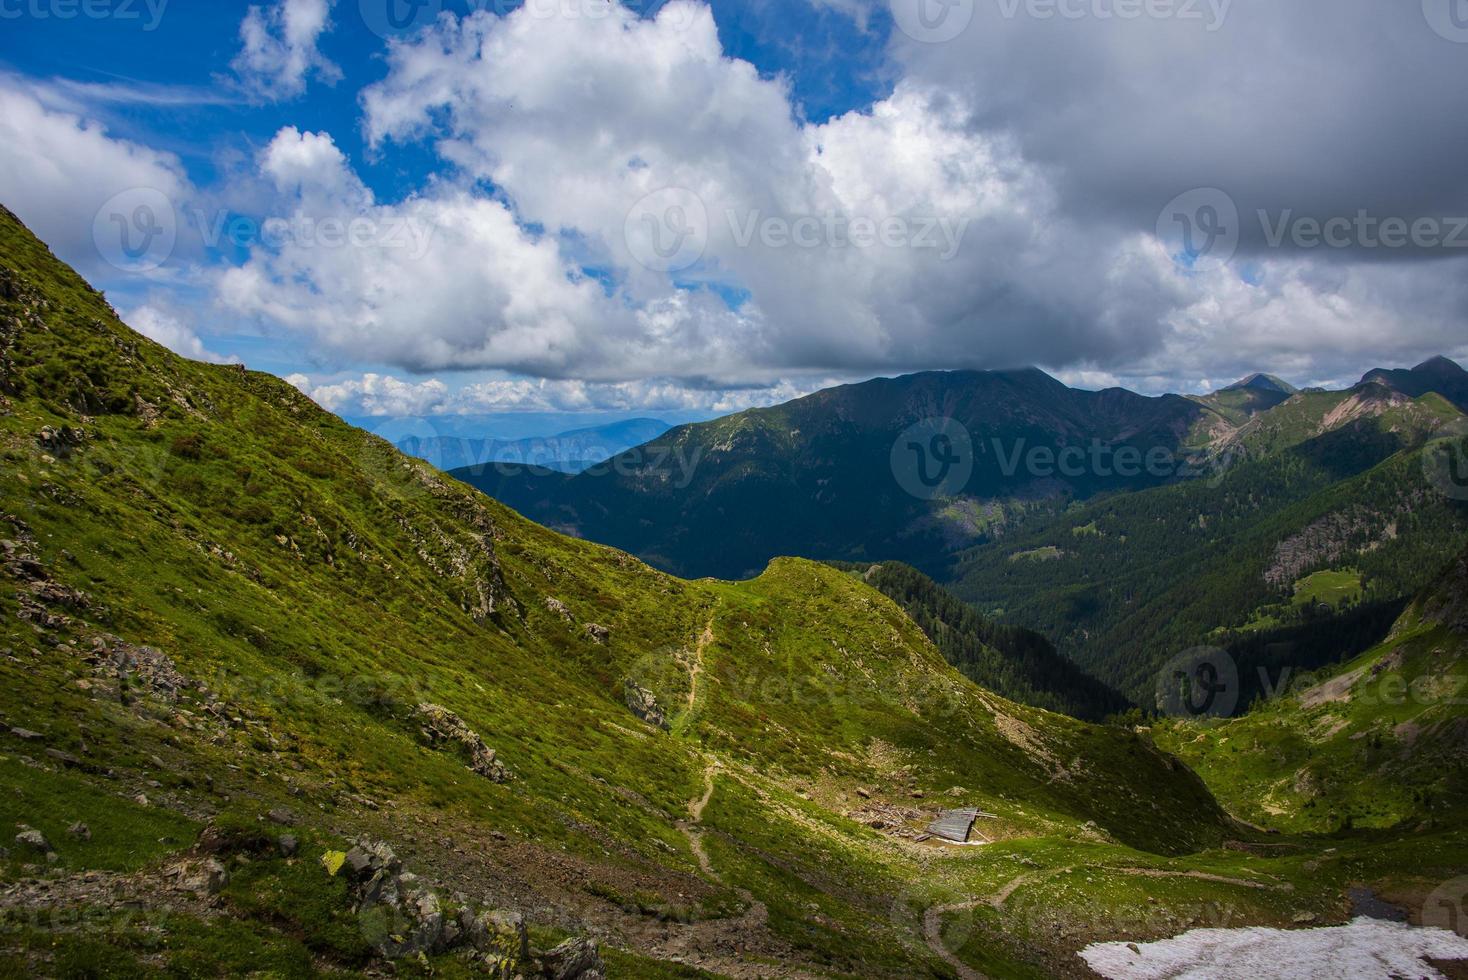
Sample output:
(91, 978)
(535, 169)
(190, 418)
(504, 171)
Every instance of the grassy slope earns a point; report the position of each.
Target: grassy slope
(322, 585)
(1380, 741)
(1014, 662)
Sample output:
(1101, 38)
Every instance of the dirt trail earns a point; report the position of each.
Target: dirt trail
(933, 933)
(700, 937)
(692, 831)
(695, 670)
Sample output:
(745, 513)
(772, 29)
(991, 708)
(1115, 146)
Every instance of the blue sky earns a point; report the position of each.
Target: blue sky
(853, 193)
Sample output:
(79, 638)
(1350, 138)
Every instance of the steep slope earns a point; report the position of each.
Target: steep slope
(827, 476)
(1380, 741)
(1014, 662)
(238, 634)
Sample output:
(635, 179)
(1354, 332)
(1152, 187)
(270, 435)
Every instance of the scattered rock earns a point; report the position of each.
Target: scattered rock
(574, 959)
(65, 758)
(644, 704)
(559, 608)
(443, 726)
(865, 794)
(288, 844)
(205, 878)
(26, 735)
(1304, 918)
(598, 634)
(283, 817)
(33, 839)
(80, 831)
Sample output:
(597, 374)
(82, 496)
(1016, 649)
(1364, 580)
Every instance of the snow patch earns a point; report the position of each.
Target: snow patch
(1366, 949)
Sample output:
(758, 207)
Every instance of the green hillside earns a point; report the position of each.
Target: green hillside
(1378, 742)
(832, 476)
(1010, 660)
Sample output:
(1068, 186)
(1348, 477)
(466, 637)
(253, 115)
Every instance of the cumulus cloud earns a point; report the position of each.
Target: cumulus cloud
(166, 329)
(442, 280)
(58, 168)
(1057, 264)
(279, 51)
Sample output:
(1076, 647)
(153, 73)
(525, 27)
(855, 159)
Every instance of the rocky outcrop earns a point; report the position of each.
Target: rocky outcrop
(401, 916)
(442, 727)
(644, 704)
(574, 959)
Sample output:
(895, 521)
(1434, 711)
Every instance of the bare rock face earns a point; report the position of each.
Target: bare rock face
(644, 704)
(441, 726)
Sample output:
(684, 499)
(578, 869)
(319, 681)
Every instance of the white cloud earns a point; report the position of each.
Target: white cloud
(171, 332)
(384, 395)
(539, 108)
(279, 48)
(57, 169)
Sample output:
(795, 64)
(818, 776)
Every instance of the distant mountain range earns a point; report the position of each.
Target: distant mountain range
(838, 475)
(568, 452)
(825, 476)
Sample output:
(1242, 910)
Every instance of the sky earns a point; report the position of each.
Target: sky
(601, 209)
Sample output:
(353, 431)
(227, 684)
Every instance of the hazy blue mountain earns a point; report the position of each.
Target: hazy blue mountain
(567, 452)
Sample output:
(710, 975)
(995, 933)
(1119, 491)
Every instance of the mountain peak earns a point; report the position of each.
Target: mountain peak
(1440, 365)
(1262, 382)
